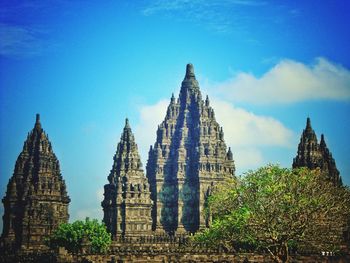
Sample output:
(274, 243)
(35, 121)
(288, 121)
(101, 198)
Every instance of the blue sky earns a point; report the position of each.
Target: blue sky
(86, 65)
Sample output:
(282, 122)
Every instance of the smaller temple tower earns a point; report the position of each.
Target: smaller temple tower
(312, 154)
(127, 202)
(36, 200)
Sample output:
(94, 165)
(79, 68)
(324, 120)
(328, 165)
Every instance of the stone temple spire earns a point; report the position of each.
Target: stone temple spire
(313, 155)
(189, 157)
(127, 203)
(36, 201)
(328, 164)
(309, 154)
(37, 122)
(309, 132)
(189, 72)
(190, 87)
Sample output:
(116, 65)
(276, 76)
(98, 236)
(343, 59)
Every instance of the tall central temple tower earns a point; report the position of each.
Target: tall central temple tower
(188, 158)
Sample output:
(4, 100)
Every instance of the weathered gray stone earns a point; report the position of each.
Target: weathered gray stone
(189, 157)
(36, 201)
(127, 203)
(313, 155)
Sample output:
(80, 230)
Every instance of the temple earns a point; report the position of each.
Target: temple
(153, 211)
(312, 155)
(36, 200)
(127, 203)
(188, 158)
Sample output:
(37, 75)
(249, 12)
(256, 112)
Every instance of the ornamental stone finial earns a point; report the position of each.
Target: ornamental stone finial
(322, 142)
(127, 125)
(308, 123)
(37, 121)
(207, 101)
(189, 71)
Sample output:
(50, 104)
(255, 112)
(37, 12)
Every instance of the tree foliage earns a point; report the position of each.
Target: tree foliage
(72, 236)
(276, 210)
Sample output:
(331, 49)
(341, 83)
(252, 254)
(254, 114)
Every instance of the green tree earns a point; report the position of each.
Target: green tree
(71, 236)
(275, 209)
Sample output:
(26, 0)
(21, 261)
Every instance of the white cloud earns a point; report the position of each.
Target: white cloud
(249, 134)
(244, 131)
(248, 158)
(145, 131)
(290, 81)
(244, 128)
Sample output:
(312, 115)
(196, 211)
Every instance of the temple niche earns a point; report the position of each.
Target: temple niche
(36, 200)
(312, 155)
(188, 158)
(127, 203)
